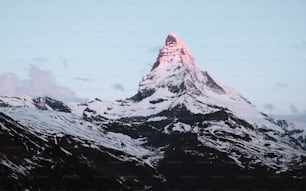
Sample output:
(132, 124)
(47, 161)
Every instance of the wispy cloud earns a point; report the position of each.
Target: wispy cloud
(282, 85)
(64, 62)
(82, 79)
(119, 87)
(39, 83)
(9, 84)
(293, 117)
(293, 109)
(269, 106)
(154, 49)
(301, 45)
(40, 59)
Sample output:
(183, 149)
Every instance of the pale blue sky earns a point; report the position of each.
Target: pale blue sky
(102, 48)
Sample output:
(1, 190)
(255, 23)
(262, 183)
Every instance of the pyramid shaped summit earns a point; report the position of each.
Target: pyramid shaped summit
(172, 39)
(174, 51)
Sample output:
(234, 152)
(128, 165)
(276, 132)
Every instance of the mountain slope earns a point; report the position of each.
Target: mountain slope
(182, 98)
(183, 129)
(66, 152)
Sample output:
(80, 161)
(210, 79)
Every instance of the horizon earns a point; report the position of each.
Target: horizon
(102, 49)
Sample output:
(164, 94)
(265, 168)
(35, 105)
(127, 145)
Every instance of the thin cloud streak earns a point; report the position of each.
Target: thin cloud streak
(269, 106)
(293, 109)
(82, 79)
(282, 85)
(154, 50)
(40, 59)
(118, 87)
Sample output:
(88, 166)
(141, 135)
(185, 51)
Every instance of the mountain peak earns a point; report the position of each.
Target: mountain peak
(175, 74)
(172, 39)
(174, 51)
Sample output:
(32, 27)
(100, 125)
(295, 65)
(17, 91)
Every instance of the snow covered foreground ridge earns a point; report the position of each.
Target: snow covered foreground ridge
(179, 113)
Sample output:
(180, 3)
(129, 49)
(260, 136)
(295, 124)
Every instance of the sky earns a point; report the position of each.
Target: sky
(77, 50)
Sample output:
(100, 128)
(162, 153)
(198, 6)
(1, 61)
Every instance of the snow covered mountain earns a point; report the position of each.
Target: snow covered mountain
(175, 91)
(182, 130)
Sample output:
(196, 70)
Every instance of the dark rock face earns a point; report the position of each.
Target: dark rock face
(44, 103)
(142, 94)
(44, 165)
(191, 167)
(212, 84)
(170, 40)
(188, 165)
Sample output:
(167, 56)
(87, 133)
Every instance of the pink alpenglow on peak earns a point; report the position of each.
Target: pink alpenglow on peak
(174, 51)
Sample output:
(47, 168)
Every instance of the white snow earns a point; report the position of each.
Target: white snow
(65, 151)
(17, 102)
(16, 168)
(201, 92)
(198, 98)
(56, 124)
(3, 128)
(256, 149)
(158, 118)
(181, 127)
